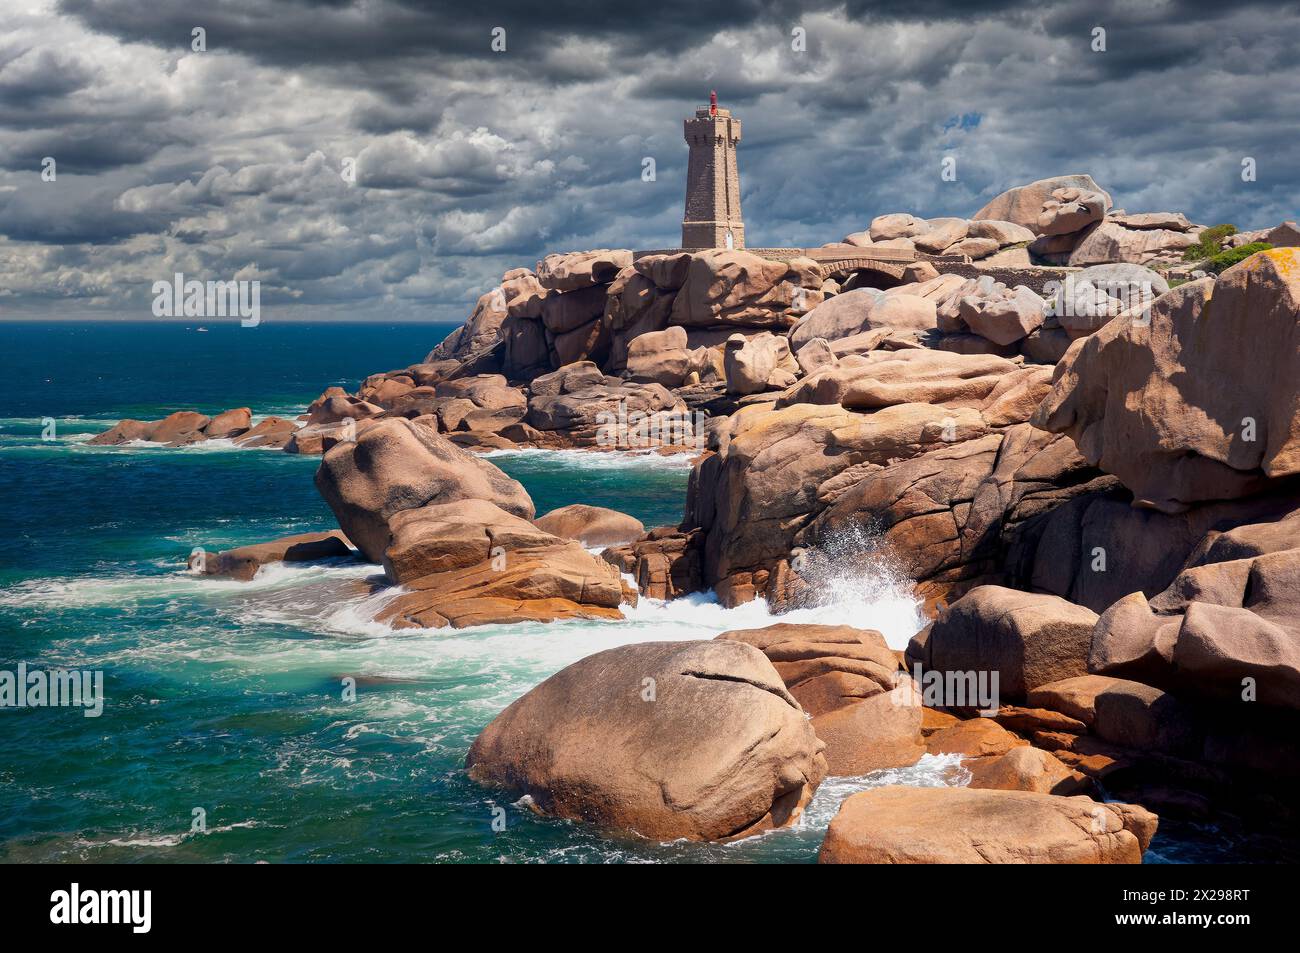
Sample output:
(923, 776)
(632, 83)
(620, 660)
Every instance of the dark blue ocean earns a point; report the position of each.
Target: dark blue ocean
(224, 699)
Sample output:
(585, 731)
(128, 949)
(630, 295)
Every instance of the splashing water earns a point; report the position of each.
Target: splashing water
(854, 580)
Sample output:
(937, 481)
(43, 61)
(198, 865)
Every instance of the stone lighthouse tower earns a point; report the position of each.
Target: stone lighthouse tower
(712, 218)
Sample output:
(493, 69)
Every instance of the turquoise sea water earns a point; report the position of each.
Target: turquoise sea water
(226, 696)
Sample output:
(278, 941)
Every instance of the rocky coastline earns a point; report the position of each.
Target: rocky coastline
(1091, 477)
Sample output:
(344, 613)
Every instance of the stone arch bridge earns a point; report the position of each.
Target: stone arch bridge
(840, 261)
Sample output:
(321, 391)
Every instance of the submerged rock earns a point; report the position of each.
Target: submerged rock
(244, 562)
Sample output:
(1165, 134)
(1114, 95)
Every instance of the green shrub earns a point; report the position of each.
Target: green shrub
(1218, 233)
(1208, 244)
(1226, 259)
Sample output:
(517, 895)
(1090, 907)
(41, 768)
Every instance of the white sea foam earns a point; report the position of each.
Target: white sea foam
(875, 598)
(879, 604)
(598, 459)
(514, 656)
(139, 839)
(33, 421)
(339, 602)
(220, 445)
(932, 771)
(357, 616)
(71, 592)
(853, 585)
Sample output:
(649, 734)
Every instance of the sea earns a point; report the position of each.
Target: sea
(228, 731)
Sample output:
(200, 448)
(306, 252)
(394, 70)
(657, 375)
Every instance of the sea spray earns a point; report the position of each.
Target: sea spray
(853, 578)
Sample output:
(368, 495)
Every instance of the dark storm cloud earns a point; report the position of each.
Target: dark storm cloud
(319, 31)
(84, 148)
(389, 164)
(29, 79)
(73, 210)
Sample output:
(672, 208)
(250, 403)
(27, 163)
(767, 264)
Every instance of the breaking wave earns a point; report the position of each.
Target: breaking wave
(596, 459)
(854, 580)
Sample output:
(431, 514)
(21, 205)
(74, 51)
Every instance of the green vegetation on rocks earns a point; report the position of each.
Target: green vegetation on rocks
(1210, 242)
(1227, 259)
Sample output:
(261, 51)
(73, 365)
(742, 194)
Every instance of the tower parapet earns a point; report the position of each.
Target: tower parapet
(712, 218)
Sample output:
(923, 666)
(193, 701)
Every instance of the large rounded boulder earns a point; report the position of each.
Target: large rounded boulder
(695, 740)
(398, 464)
(591, 525)
(1028, 638)
(1024, 203)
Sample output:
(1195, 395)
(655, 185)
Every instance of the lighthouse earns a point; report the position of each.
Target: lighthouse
(712, 218)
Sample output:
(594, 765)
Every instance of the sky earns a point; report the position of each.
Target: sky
(379, 160)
